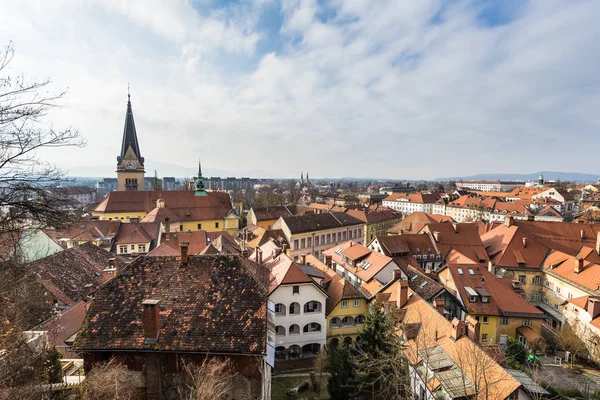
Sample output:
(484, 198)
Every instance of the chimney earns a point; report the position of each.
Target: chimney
(593, 307)
(458, 328)
(351, 243)
(151, 320)
(582, 234)
(184, 246)
(397, 274)
(328, 262)
(491, 268)
(167, 228)
(439, 305)
(524, 242)
(245, 253)
(259, 255)
(436, 236)
(303, 259)
(472, 328)
(530, 217)
(108, 274)
(283, 246)
(112, 262)
(508, 221)
(578, 265)
(402, 293)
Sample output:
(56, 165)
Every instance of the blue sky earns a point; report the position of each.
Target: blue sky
(390, 89)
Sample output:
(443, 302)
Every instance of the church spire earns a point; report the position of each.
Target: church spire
(200, 182)
(129, 134)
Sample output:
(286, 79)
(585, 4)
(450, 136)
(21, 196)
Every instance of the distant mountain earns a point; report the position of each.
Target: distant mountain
(548, 175)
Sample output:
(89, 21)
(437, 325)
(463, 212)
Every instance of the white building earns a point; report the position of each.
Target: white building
(489, 186)
(300, 304)
(410, 203)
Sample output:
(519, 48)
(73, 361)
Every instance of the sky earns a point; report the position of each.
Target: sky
(384, 89)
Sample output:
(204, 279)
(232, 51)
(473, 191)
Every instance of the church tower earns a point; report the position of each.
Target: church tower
(130, 164)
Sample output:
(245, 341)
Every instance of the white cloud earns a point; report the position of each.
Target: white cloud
(388, 88)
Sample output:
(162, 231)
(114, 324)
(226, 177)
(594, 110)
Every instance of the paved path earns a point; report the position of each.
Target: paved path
(560, 376)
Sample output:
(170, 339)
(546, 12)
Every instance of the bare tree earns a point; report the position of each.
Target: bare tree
(570, 341)
(23, 174)
(213, 379)
(110, 380)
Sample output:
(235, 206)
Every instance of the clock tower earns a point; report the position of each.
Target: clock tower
(130, 163)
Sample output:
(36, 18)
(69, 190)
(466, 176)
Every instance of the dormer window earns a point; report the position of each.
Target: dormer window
(473, 299)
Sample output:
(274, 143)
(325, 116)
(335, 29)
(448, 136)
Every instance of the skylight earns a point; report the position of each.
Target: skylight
(460, 271)
(471, 272)
(422, 285)
(338, 251)
(414, 277)
(367, 265)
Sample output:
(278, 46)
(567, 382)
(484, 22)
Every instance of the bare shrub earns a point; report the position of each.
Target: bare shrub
(110, 380)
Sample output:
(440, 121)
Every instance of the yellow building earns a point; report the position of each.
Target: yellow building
(500, 311)
(346, 306)
(130, 163)
(182, 210)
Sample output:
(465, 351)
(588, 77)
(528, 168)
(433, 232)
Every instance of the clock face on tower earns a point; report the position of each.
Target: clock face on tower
(130, 164)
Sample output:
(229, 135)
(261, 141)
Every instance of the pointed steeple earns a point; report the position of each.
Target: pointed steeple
(200, 182)
(129, 134)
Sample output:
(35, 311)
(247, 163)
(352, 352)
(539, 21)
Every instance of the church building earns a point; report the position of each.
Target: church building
(130, 163)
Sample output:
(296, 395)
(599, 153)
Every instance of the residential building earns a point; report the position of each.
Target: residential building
(469, 209)
(197, 243)
(314, 233)
(420, 248)
(441, 353)
(136, 238)
(77, 195)
(500, 312)
(414, 222)
(457, 242)
(211, 212)
(130, 163)
(106, 185)
(99, 233)
(230, 183)
(254, 236)
(27, 245)
(300, 303)
(361, 266)
(346, 306)
(583, 315)
(139, 319)
(377, 221)
(267, 216)
(489, 186)
(410, 203)
(562, 196)
(170, 183)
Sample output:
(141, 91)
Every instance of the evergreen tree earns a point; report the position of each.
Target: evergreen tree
(342, 383)
(377, 332)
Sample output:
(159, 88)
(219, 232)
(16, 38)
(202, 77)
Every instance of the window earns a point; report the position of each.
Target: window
(522, 279)
(312, 306)
(133, 247)
(296, 244)
(344, 303)
(302, 243)
(359, 232)
(199, 226)
(312, 327)
(296, 289)
(485, 319)
(359, 320)
(180, 228)
(547, 284)
(339, 236)
(460, 271)
(294, 309)
(558, 289)
(356, 302)
(316, 240)
(309, 242)
(122, 249)
(294, 329)
(279, 309)
(335, 322)
(471, 272)
(526, 321)
(504, 320)
(473, 299)
(537, 280)
(484, 337)
(485, 299)
(536, 296)
(279, 330)
(556, 306)
(348, 321)
(216, 225)
(141, 248)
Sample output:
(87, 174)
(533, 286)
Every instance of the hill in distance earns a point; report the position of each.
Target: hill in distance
(548, 175)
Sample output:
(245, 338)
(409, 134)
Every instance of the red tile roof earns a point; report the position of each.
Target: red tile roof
(414, 222)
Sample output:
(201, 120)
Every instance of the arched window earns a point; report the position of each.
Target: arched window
(295, 309)
(280, 309)
(279, 330)
(335, 322)
(312, 306)
(348, 320)
(294, 329)
(347, 340)
(334, 342)
(359, 320)
(312, 327)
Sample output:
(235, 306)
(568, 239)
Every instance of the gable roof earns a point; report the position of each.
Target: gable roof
(317, 222)
(337, 288)
(268, 213)
(184, 203)
(71, 275)
(417, 220)
(133, 233)
(463, 238)
(212, 305)
(367, 267)
(370, 216)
